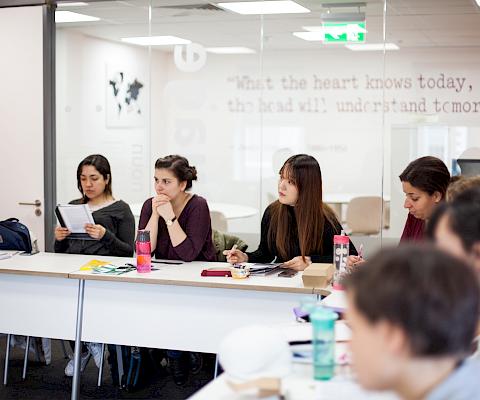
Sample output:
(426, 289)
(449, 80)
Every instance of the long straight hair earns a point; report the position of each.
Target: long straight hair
(310, 211)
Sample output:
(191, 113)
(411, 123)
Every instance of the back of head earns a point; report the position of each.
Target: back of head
(464, 216)
(460, 185)
(431, 296)
(429, 174)
(180, 167)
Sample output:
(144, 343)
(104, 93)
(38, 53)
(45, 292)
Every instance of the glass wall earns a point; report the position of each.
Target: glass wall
(431, 85)
(237, 94)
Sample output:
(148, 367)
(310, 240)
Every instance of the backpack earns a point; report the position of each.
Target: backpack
(140, 365)
(14, 236)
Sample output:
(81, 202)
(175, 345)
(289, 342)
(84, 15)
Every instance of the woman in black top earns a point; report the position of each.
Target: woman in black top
(298, 228)
(114, 228)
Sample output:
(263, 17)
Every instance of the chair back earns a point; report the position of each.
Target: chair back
(364, 215)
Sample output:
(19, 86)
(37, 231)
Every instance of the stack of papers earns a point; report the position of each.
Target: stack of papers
(111, 269)
(265, 269)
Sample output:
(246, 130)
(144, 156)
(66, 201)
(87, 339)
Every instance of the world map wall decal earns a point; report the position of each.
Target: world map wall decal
(125, 99)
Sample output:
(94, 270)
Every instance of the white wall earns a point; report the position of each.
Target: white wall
(21, 116)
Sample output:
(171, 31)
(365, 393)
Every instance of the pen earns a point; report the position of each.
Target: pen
(360, 250)
(167, 262)
(232, 250)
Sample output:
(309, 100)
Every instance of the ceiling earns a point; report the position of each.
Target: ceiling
(409, 23)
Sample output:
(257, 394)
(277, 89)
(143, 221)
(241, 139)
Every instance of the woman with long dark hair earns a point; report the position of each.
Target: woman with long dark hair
(298, 228)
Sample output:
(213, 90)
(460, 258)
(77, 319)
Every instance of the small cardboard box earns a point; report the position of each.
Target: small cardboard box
(317, 275)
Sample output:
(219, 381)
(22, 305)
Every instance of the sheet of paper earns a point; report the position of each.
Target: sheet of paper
(76, 216)
(336, 300)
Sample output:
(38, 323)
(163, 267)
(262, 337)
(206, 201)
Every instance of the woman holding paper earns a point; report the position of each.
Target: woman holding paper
(114, 228)
(298, 228)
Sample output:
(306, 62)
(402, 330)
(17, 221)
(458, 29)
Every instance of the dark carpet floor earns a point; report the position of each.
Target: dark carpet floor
(48, 382)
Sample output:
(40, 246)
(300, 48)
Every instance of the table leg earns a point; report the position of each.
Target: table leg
(7, 356)
(215, 373)
(25, 357)
(78, 341)
(100, 369)
(120, 364)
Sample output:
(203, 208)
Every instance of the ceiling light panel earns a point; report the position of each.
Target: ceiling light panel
(264, 7)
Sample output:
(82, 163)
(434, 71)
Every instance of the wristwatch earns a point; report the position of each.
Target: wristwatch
(170, 222)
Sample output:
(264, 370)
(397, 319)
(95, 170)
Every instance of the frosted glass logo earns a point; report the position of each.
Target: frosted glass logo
(194, 60)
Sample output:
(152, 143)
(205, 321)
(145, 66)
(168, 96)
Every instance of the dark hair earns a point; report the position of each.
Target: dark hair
(433, 297)
(463, 215)
(429, 174)
(310, 211)
(102, 165)
(180, 168)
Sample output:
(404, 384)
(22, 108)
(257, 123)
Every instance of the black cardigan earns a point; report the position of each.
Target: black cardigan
(265, 254)
(117, 219)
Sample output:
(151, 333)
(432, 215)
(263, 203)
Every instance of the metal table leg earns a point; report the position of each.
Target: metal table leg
(100, 369)
(7, 356)
(25, 357)
(120, 364)
(78, 341)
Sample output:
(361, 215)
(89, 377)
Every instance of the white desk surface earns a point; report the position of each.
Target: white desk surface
(44, 264)
(299, 385)
(229, 210)
(188, 274)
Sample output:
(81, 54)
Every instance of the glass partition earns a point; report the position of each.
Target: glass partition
(431, 89)
(237, 94)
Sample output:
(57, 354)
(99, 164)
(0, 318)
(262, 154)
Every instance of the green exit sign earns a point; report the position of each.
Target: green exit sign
(342, 32)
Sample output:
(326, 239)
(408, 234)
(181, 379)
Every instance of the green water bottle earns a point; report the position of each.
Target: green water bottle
(323, 324)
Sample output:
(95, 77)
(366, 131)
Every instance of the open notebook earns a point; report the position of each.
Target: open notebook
(74, 217)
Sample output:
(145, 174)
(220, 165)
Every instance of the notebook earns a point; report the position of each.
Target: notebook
(74, 217)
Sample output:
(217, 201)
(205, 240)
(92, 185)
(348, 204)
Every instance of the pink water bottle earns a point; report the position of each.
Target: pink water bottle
(341, 249)
(144, 252)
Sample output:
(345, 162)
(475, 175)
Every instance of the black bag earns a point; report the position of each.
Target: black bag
(140, 365)
(14, 236)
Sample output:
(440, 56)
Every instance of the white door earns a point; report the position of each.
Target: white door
(21, 117)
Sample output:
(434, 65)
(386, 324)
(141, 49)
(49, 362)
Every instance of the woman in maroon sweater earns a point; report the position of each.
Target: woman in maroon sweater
(180, 229)
(178, 221)
(424, 182)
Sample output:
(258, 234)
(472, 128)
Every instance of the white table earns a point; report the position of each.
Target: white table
(176, 308)
(38, 298)
(299, 384)
(229, 210)
(46, 295)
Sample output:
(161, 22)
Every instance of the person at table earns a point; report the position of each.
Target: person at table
(114, 226)
(114, 229)
(455, 227)
(178, 221)
(180, 229)
(298, 228)
(413, 313)
(424, 182)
